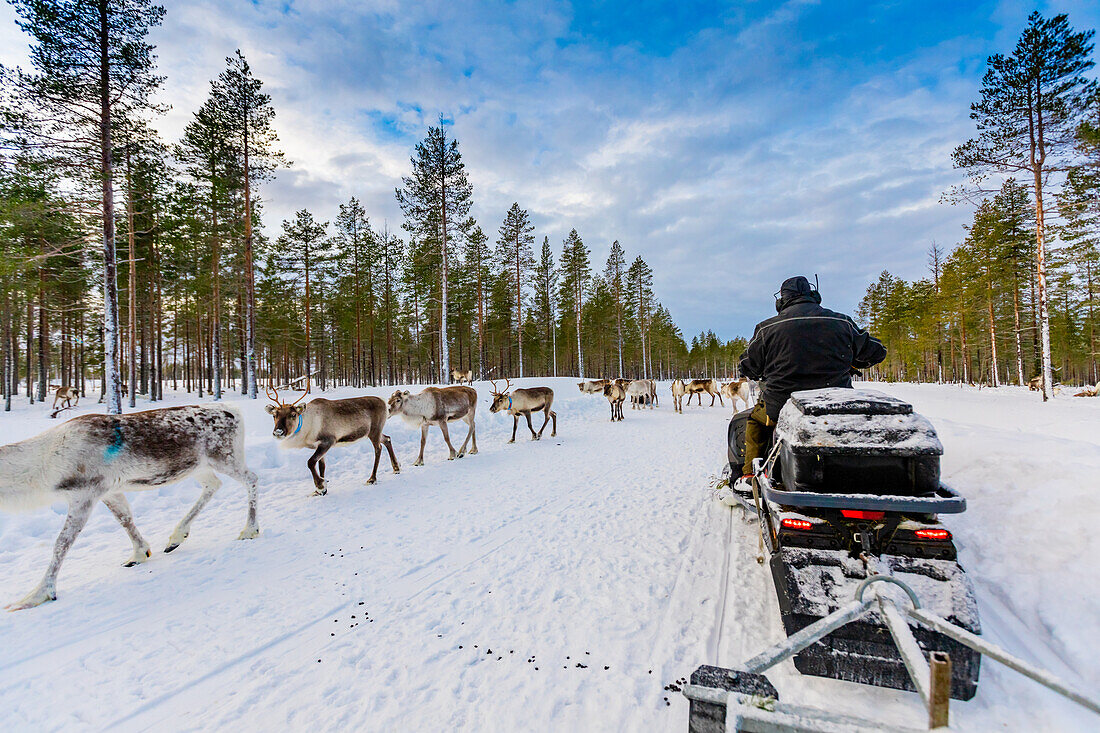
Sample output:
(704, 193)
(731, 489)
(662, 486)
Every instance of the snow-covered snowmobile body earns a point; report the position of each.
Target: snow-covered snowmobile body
(851, 487)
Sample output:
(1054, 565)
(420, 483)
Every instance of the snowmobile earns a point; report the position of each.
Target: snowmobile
(851, 488)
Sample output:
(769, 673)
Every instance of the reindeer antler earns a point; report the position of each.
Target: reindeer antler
(305, 391)
(507, 384)
(271, 388)
(493, 389)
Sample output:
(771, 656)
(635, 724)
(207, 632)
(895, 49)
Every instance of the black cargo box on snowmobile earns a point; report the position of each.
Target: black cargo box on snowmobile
(853, 484)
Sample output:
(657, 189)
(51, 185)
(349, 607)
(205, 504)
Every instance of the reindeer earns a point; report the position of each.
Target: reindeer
(615, 395)
(739, 390)
(321, 424)
(438, 406)
(704, 386)
(678, 389)
(95, 458)
(592, 386)
(67, 396)
(524, 402)
(461, 377)
(1089, 391)
(1035, 384)
(641, 393)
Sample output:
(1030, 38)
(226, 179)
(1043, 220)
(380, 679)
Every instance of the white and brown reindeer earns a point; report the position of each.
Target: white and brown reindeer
(524, 401)
(592, 386)
(642, 392)
(95, 458)
(67, 396)
(320, 424)
(438, 406)
(704, 386)
(460, 377)
(678, 390)
(615, 395)
(740, 389)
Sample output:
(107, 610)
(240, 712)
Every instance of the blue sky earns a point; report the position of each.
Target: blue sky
(730, 144)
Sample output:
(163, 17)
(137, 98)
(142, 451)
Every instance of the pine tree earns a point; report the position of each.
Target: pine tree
(358, 249)
(477, 260)
(248, 116)
(391, 257)
(515, 240)
(303, 248)
(1030, 105)
(436, 201)
(613, 272)
(209, 161)
(576, 272)
(546, 287)
(639, 280)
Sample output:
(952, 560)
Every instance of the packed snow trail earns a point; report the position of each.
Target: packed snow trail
(547, 585)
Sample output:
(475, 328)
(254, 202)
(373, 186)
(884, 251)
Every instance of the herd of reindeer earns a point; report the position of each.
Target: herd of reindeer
(93, 458)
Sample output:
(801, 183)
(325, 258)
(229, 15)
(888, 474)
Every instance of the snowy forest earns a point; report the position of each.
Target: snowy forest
(1021, 288)
(127, 254)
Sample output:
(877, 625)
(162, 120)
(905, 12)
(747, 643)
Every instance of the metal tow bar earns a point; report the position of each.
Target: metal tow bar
(751, 703)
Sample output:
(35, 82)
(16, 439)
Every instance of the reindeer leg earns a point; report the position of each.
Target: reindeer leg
(236, 469)
(393, 456)
(515, 424)
(210, 483)
(447, 438)
(534, 435)
(471, 435)
(319, 457)
(377, 457)
(423, 440)
(121, 509)
(80, 507)
(720, 402)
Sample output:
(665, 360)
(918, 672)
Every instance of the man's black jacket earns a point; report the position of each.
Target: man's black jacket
(806, 347)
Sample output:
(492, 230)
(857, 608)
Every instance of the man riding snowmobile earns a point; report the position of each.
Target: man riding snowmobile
(805, 346)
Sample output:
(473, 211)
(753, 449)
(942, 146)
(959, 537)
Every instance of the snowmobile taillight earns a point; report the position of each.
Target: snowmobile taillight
(861, 514)
(933, 534)
(790, 523)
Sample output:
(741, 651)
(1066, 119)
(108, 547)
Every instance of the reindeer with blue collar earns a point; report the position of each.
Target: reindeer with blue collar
(524, 402)
(321, 424)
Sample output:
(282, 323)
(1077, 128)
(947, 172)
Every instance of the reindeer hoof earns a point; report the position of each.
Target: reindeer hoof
(249, 533)
(320, 491)
(419, 463)
(372, 480)
(35, 598)
(174, 541)
(473, 452)
(513, 440)
(137, 558)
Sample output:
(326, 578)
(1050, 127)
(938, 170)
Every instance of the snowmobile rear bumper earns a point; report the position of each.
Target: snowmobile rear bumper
(811, 584)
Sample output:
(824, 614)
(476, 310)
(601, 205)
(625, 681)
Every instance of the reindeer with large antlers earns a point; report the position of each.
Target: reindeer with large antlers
(524, 401)
(321, 424)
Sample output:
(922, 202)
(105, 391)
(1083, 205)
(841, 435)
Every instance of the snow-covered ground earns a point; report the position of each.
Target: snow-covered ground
(557, 585)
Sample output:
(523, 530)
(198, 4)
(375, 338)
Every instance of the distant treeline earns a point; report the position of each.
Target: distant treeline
(1018, 296)
(91, 197)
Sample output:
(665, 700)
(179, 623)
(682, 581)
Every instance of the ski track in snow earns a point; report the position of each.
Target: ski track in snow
(601, 547)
